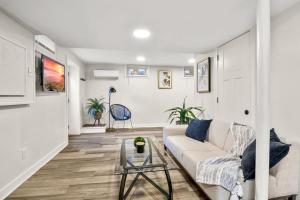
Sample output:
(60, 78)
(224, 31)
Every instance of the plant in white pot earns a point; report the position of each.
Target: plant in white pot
(96, 108)
(184, 114)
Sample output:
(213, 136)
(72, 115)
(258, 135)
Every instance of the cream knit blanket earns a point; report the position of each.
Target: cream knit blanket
(225, 171)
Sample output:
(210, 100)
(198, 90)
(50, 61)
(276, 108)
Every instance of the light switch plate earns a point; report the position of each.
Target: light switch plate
(24, 153)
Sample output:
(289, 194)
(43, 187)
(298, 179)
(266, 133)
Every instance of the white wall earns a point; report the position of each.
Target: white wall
(23, 39)
(208, 100)
(30, 134)
(285, 73)
(142, 95)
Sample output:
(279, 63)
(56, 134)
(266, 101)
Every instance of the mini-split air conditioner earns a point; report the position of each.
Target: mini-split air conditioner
(45, 42)
(111, 74)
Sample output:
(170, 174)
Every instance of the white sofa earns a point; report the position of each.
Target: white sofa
(283, 179)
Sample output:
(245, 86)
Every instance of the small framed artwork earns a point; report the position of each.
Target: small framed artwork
(188, 71)
(203, 76)
(137, 71)
(164, 79)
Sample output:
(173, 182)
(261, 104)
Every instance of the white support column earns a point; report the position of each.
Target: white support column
(262, 100)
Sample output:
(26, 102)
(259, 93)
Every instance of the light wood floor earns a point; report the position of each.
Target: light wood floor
(85, 170)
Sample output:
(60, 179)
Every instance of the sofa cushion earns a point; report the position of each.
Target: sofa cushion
(248, 161)
(218, 132)
(185, 143)
(278, 151)
(219, 193)
(178, 144)
(197, 129)
(172, 148)
(273, 136)
(190, 159)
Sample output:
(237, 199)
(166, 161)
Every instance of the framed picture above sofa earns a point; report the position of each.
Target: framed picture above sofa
(164, 79)
(203, 75)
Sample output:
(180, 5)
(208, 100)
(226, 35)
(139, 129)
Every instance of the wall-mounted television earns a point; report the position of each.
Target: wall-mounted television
(53, 75)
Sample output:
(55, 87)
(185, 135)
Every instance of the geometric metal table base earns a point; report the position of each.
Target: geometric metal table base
(123, 196)
(149, 163)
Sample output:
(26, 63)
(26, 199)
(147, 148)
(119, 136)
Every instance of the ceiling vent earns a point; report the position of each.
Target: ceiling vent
(45, 42)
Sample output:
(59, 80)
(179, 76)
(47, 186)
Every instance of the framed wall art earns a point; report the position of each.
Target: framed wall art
(164, 79)
(203, 75)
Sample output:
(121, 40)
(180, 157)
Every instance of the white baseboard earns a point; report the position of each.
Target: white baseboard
(128, 125)
(95, 129)
(149, 125)
(14, 184)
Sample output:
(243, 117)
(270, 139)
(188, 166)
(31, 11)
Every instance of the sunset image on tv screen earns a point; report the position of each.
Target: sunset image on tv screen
(53, 76)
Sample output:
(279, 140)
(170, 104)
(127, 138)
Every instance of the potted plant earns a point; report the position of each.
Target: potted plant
(96, 108)
(139, 143)
(183, 114)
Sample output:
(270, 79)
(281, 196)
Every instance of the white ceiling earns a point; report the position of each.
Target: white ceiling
(93, 56)
(100, 29)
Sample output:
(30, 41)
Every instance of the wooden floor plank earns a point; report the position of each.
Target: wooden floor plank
(85, 170)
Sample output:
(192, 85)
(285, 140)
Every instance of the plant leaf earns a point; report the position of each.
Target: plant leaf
(183, 106)
(192, 114)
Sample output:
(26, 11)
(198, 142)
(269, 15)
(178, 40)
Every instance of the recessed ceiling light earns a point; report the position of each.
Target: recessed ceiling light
(140, 59)
(192, 60)
(141, 33)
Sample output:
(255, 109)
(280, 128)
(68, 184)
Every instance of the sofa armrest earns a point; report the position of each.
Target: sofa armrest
(286, 173)
(173, 130)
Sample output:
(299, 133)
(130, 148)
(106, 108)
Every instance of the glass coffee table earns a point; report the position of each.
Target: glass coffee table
(153, 159)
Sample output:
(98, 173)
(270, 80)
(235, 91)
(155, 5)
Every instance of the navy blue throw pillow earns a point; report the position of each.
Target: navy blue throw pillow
(273, 136)
(248, 161)
(278, 150)
(197, 129)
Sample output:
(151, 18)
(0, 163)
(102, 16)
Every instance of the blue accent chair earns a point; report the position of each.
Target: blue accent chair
(120, 113)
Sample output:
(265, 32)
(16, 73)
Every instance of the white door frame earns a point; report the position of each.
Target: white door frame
(74, 124)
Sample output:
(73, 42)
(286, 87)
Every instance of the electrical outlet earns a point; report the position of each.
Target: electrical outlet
(24, 153)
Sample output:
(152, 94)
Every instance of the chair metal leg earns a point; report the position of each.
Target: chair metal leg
(131, 123)
(113, 122)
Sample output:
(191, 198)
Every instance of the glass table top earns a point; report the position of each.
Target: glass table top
(154, 157)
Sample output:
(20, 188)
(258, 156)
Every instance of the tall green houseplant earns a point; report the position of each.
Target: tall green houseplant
(183, 114)
(96, 108)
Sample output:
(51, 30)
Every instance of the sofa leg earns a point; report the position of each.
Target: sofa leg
(293, 197)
